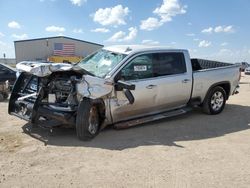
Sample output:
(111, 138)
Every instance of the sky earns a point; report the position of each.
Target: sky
(211, 29)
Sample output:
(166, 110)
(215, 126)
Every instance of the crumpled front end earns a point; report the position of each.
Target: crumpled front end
(48, 98)
(52, 97)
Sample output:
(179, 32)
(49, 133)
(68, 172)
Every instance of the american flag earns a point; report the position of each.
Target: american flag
(64, 49)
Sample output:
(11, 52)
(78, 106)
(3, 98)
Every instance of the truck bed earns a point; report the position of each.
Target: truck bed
(206, 73)
(202, 64)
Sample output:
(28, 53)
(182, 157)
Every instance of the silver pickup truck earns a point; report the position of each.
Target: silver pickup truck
(120, 85)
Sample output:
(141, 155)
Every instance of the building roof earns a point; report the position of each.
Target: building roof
(63, 37)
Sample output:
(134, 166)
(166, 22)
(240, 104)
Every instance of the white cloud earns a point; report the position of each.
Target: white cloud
(169, 9)
(78, 2)
(224, 44)
(224, 29)
(2, 35)
(14, 25)
(111, 16)
(196, 39)
(100, 30)
(207, 30)
(117, 36)
(150, 24)
(204, 44)
(20, 37)
(77, 30)
(166, 12)
(229, 29)
(150, 42)
(131, 35)
(190, 34)
(219, 29)
(121, 36)
(55, 29)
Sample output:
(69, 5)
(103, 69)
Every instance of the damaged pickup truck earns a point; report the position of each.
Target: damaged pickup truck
(120, 85)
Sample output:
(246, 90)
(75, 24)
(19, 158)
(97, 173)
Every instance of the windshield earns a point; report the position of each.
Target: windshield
(101, 62)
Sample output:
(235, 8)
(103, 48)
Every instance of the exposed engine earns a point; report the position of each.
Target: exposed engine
(52, 97)
(61, 88)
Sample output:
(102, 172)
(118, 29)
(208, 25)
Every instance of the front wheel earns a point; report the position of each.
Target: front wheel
(215, 100)
(87, 120)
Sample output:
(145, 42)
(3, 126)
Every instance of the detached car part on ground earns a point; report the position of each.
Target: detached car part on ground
(120, 85)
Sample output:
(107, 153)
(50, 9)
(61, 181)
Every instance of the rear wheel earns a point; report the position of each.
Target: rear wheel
(215, 100)
(87, 120)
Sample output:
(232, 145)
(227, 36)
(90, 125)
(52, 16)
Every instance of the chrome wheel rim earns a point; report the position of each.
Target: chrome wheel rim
(217, 101)
(93, 120)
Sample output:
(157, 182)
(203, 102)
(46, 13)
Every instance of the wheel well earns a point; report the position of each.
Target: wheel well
(99, 103)
(226, 87)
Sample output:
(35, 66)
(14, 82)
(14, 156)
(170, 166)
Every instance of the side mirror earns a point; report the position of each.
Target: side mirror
(120, 85)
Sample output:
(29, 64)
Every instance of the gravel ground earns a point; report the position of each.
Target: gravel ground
(193, 150)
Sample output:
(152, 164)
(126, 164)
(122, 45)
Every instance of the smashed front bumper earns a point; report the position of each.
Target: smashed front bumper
(27, 102)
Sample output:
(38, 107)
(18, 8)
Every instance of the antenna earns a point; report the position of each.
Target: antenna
(128, 49)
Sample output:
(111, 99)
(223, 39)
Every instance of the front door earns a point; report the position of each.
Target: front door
(138, 71)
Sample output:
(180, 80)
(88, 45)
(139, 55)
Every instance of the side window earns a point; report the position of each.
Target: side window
(138, 68)
(168, 64)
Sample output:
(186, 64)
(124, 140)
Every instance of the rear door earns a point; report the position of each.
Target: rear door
(174, 80)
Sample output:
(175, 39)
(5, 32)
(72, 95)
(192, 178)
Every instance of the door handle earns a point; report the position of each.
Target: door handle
(150, 86)
(185, 81)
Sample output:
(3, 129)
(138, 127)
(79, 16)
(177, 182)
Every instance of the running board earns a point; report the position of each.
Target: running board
(134, 122)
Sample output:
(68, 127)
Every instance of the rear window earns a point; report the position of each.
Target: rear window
(168, 64)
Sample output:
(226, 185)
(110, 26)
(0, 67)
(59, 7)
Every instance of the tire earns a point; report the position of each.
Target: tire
(215, 101)
(87, 120)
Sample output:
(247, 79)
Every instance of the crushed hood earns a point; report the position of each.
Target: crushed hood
(43, 69)
(89, 86)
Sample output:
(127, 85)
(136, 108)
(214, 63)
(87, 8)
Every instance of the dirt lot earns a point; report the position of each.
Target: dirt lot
(194, 150)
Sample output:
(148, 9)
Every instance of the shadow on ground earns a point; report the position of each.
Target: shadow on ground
(192, 126)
